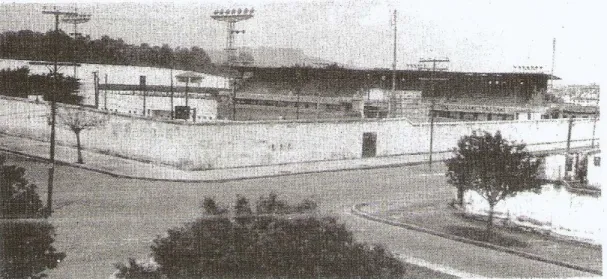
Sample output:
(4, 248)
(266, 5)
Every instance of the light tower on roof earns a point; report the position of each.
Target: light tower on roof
(231, 16)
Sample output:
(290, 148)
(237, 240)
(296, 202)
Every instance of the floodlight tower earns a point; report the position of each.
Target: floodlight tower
(75, 19)
(230, 17)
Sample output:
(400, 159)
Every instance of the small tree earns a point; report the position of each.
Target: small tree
(18, 197)
(493, 167)
(78, 120)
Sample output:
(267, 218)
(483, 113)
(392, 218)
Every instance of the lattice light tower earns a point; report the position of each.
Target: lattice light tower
(75, 19)
(230, 17)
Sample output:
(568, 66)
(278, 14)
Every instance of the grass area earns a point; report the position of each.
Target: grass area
(101, 220)
(480, 234)
(443, 218)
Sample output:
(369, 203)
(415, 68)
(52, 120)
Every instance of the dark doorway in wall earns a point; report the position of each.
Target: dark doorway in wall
(369, 144)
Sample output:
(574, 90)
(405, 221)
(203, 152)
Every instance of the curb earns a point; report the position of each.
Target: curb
(356, 211)
(117, 175)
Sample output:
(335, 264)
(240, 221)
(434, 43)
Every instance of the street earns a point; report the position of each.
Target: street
(101, 220)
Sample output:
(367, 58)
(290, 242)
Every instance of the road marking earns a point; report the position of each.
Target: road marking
(437, 267)
(432, 174)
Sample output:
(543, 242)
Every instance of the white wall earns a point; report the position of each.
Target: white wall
(224, 144)
(554, 167)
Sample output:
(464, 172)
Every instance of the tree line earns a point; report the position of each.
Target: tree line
(21, 83)
(30, 45)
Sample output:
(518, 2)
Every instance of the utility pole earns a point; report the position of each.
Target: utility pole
(393, 68)
(298, 83)
(105, 93)
(596, 116)
(172, 95)
(96, 88)
(569, 134)
(433, 101)
(143, 89)
(434, 69)
(187, 102)
(431, 134)
(233, 83)
(51, 169)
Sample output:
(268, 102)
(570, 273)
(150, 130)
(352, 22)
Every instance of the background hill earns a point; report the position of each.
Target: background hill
(272, 57)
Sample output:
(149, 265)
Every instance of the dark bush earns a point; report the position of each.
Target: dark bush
(18, 197)
(269, 244)
(26, 249)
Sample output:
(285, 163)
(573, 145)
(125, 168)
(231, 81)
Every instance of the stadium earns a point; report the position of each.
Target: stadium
(349, 91)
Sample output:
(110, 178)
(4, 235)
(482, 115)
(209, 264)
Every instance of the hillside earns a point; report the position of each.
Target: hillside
(272, 57)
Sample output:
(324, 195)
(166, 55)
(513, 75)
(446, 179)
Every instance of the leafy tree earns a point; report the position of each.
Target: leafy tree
(78, 120)
(493, 167)
(18, 197)
(26, 249)
(268, 245)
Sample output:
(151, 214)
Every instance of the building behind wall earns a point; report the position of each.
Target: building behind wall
(155, 102)
(488, 113)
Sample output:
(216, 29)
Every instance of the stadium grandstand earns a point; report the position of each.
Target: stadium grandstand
(484, 89)
(330, 82)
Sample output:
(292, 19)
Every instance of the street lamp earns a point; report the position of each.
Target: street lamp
(188, 77)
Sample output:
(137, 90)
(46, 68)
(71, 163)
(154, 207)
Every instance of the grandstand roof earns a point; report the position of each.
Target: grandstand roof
(388, 72)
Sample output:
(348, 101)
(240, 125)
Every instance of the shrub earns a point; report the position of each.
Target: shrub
(270, 243)
(18, 197)
(26, 249)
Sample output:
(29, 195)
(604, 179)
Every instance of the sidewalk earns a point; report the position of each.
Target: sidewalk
(127, 168)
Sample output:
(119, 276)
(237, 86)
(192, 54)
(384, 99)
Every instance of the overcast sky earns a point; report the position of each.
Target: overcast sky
(476, 35)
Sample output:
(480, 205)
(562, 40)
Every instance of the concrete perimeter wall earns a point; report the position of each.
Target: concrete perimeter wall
(238, 144)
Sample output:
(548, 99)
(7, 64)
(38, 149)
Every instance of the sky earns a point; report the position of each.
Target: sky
(476, 35)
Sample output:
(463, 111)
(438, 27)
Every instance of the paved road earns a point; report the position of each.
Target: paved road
(92, 208)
